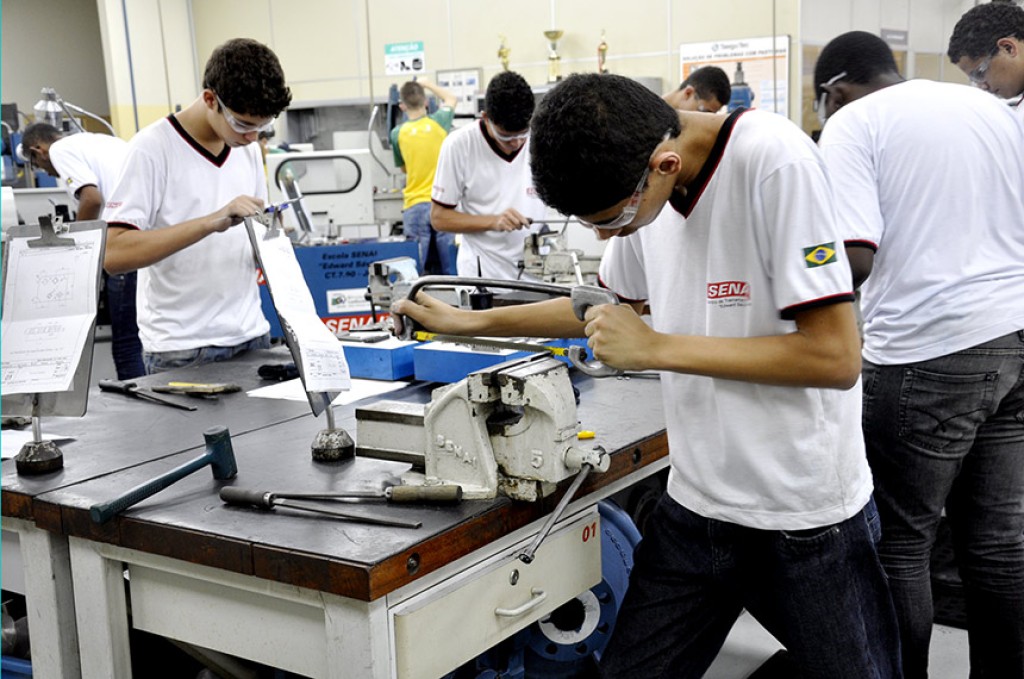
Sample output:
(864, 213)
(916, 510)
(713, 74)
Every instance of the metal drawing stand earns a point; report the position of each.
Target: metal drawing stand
(332, 444)
(39, 456)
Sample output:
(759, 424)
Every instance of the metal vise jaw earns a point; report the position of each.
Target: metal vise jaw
(510, 428)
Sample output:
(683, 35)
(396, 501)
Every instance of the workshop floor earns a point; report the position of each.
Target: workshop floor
(747, 647)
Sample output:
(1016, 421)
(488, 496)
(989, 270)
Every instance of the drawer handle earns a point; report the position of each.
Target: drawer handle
(537, 598)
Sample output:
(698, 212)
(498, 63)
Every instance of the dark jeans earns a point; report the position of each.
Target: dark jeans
(168, 360)
(125, 345)
(416, 224)
(820, 592)
(950, 432)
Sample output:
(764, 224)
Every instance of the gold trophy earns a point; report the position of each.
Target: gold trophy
(554, 61)
(503, 52)
(602, 55)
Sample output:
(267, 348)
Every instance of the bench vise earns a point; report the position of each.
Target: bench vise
(510, 429)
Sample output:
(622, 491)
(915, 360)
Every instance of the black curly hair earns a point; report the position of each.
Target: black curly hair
(709, 82)
(248, 78)
(976, 33)
(509, 101)
(863, 56)
(591, 138)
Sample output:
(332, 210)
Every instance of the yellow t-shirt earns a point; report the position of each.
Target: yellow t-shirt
(417, 144)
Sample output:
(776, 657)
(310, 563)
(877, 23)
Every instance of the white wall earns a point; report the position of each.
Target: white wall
(928, 23)
(52, 43)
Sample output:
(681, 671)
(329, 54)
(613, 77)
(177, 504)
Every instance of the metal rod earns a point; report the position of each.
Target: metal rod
(528, 554)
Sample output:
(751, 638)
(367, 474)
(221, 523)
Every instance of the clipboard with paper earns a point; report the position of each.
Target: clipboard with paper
(318, 356)
(51, 286)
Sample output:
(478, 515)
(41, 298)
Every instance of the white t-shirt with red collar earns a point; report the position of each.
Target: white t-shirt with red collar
(931, 176)
(205, 294)
(476, 177)
(88, 159)
(754, 242)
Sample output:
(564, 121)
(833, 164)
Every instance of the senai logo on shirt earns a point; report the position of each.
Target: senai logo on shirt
(820, 255)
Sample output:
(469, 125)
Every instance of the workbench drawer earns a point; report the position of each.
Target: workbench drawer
(456, 620)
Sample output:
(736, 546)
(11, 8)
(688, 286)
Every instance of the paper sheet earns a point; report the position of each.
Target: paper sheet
(323, 358)
(11, 440)
(49, 306)
(292, 391)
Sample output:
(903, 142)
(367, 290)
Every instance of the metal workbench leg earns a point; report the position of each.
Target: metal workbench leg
(102, 613)
(358, 638)
(49, 597)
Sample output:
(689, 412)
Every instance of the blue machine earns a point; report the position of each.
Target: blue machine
(742, 95)
(337, 280)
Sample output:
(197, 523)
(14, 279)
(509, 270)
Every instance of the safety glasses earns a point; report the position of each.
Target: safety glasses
(625, 218)
(241, 126)
(821, 101)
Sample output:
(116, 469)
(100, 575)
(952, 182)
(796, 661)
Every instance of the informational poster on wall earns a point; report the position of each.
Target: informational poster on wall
(404, 58)
(761, 63)
(465, 85)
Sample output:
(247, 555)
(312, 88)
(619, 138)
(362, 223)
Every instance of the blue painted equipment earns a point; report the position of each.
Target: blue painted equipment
(742, 95)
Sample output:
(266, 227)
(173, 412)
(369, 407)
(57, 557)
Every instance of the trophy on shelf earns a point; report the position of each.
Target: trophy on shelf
(602, 55)
(554, 61)
(503, 52)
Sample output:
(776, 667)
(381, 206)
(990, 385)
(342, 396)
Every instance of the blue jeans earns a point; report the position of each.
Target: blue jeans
(416, 224)
(125, 345)
(820, 592)
(160, 361)
(950, 432)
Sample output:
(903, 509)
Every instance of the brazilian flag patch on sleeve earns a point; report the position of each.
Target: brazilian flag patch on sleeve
(819, 255)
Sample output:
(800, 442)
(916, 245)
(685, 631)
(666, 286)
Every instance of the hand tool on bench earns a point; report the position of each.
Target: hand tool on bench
(446, 494)
(267, 500)
(489, 343)
(200, 389)
(219, 455)
(133, 389)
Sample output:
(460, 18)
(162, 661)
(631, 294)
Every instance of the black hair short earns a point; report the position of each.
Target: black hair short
(248, 78)
(39, 133)
(591, 138)
(976, 33)
(509, 101)
(863, 56)
(709, 82)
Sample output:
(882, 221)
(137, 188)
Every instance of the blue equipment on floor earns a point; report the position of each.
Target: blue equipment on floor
(568, 642)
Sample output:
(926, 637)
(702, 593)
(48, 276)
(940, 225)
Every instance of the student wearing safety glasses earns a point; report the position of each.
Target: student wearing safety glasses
(188, 179)
(941, 279)
(482, 187)
(725, 226)
(988, 46)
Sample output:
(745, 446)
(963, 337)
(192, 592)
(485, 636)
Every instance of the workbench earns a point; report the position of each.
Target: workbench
(312, 595)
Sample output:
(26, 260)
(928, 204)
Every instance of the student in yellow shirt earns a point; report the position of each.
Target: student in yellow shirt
(416, 144)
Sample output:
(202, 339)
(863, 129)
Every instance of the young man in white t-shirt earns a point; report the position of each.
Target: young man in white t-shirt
(188, 179)
(482, 187)
(988, 46)
(768, 501)
(88, 166)
(929, 186)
